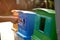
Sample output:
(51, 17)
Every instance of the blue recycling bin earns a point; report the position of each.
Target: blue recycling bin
(26, 24)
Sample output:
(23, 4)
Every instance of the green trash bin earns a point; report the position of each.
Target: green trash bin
(45, 25)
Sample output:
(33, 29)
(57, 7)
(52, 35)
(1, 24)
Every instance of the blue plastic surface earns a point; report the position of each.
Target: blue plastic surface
(26, 26)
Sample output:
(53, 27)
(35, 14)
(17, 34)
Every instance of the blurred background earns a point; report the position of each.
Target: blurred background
(7, 5)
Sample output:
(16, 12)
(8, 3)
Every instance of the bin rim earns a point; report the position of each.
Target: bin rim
(46, 10)
(24, 11)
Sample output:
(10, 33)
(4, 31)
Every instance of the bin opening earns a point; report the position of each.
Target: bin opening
(42, 24)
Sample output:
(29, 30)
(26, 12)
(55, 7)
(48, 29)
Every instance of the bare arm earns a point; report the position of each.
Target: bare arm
(13, 18)
(8, 18)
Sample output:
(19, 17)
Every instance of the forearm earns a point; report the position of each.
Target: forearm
(8, 18)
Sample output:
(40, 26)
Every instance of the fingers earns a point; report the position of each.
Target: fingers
(15, 13)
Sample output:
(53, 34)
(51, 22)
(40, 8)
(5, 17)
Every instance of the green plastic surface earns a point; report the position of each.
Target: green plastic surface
(49, 32)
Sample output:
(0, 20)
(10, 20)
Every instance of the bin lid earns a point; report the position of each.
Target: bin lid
(47, 10)
(24, 11)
